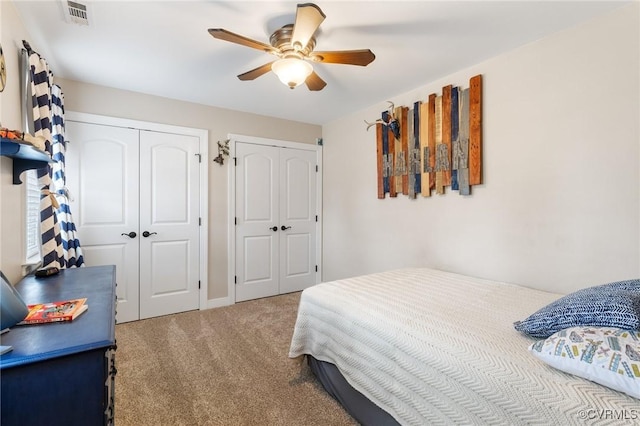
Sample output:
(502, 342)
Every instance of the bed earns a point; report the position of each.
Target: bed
(422, 346)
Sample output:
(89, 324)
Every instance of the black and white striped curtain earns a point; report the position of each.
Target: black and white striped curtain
(70, 243)
(60, 245)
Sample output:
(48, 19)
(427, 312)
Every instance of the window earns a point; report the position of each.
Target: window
(32, 217)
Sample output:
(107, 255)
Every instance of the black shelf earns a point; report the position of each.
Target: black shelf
(25, 157)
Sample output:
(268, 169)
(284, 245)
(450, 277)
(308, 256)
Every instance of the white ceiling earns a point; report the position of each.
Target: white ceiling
(163, 47)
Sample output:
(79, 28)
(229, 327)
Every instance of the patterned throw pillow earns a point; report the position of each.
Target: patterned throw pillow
(608, 305)
(606, 355)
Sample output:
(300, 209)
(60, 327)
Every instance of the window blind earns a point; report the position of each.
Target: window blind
(32, 219)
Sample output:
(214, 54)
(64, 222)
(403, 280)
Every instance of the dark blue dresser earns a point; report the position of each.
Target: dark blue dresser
(62, 373)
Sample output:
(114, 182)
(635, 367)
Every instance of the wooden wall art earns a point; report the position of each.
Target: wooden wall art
(437, 143)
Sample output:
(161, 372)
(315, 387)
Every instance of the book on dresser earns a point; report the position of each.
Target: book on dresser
(63, 310)
(46, 354)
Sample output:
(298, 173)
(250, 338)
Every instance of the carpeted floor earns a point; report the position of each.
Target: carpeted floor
(224, 366)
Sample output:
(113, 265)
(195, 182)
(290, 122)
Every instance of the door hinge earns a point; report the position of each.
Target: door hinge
(316, 218)
(235, 220)
(316, 268)
(199, 158)
(235, 279)
(200, 221)
(235, 161)
(316, 168)
(198, 284)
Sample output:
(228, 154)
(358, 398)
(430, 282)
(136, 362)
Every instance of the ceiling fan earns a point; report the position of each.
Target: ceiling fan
(293, 44)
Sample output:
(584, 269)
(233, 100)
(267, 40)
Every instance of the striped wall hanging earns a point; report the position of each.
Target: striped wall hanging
(435, 144)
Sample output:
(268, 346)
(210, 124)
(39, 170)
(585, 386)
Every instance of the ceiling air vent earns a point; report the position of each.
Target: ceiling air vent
(75, 12)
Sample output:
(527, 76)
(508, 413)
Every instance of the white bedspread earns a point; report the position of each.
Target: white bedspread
(432, 347)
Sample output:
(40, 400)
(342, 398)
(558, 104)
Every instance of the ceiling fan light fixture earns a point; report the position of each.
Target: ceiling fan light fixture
(292, 71)
(294, 44)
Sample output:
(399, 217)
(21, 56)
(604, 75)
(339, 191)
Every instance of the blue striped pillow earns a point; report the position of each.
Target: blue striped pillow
(615, 304)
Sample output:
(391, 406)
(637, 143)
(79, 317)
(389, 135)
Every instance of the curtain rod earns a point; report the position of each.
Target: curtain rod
(27, 46)
(30, 51)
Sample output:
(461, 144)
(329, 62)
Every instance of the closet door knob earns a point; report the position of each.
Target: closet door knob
(284, 228)
(274, 229)
(147, 233)
(130, 234)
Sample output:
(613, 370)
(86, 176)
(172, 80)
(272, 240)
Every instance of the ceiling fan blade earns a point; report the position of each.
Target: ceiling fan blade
(350, 57)
(225, 35)
(256, 72)
(308, 19)
(314, 82)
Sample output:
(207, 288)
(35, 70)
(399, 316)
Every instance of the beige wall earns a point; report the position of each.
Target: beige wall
(560, 206)
(88, 98)
(12, 32)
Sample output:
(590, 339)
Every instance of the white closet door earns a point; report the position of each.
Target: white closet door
(102, 177)
(127, 182)
(297, 219)
(275, 220)
(169, 229)
(258, 227)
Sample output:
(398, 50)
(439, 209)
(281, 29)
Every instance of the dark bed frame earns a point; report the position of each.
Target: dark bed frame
(359, 406)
